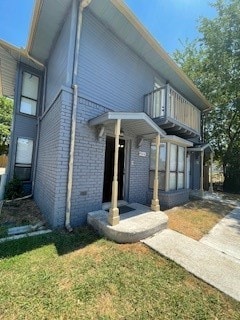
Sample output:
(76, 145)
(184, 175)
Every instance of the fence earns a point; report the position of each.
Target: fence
(3, 161)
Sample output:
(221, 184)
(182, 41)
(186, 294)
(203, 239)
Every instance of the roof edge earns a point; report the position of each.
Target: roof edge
(130, 16)
(35, 17)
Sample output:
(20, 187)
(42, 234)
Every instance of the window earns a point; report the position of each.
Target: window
(176, 174)
(161, 165)
(23, 165)
(29, 94)
(177, 166)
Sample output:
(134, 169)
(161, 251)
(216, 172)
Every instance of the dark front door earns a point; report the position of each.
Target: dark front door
(109, 167)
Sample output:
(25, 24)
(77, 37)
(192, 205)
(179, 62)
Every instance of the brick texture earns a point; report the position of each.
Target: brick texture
(52, 163)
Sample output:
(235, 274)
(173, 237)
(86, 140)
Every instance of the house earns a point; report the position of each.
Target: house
(92, 78)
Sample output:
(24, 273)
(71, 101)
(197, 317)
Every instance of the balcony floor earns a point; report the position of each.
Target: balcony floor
(172, 127)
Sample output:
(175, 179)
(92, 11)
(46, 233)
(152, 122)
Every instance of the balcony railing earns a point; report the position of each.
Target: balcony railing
(167, 103)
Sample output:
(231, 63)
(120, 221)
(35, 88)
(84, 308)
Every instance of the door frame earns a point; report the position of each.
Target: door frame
(126, 170)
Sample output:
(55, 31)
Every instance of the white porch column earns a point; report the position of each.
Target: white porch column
(211, 174)
(113, 216)
(201, 180)
(167, 167)
(155, 201)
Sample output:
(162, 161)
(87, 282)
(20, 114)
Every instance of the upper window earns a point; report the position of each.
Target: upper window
(29, 94)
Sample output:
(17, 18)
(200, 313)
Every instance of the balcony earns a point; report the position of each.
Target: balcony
(173, 113)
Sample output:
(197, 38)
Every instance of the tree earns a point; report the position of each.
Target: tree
(6, 109)
(213, 63)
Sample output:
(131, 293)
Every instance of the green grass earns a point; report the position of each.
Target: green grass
(81, 276)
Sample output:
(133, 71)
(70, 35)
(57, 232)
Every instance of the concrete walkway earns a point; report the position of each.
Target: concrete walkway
(225, 236)
(206, 263)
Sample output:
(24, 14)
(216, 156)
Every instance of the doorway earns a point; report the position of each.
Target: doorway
(109, 168)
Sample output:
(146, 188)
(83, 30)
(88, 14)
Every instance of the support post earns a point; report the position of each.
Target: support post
(113, 216)
(155, 201)
(211, 174)
(201, 180)
(167, 167)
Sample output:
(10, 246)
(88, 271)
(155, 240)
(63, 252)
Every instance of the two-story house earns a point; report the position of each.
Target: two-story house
(92, 78)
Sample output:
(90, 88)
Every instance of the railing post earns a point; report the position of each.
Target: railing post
(167, 101)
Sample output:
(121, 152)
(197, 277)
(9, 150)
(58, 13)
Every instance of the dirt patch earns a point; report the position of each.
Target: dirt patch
(20, 212)
(197, 218)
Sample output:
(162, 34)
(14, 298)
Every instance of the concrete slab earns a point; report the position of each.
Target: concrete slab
(201, 260)
(134, 225)
(225, 235)
(25, 235)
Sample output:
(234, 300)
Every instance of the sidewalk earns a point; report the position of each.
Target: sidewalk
(225, 236)
(214, 259)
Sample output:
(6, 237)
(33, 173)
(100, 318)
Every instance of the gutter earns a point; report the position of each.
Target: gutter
(83, 4)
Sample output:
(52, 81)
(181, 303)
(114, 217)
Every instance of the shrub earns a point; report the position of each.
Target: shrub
(14, 189)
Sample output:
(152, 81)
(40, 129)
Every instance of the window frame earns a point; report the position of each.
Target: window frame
(160, 172)
(167, 172)
(37, 73)
(24, 165)
(177, 171)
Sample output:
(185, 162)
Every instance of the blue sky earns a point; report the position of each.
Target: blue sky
(169, 21)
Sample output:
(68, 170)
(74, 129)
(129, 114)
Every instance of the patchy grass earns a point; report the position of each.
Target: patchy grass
(197, 218)
(81, 276)
(19, 212)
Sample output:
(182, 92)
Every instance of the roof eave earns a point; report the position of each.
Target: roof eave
(34, 21)
(123, 8)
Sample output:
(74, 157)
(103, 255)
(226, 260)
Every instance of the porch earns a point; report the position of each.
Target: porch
(137, 221)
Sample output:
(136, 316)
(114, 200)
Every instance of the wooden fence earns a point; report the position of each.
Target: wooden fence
(3, 161)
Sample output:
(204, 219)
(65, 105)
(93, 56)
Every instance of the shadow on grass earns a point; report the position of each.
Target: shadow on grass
(63, 241)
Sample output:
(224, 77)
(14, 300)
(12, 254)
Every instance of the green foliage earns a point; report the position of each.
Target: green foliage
(213, 63)
(6, 109)
(14, 189)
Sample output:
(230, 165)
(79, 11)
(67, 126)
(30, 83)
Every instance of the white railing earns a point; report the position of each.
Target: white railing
(155, 103)
(167, 102)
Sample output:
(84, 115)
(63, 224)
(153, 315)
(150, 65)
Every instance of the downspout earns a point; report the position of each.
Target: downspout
(83, 4)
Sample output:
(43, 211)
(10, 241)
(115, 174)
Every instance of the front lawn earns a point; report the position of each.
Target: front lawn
(197, 218)
(82, 276)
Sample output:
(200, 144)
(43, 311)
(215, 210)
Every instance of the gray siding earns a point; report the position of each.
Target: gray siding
(59, 68)
(52, 164)
(24, 127)
(110, 73)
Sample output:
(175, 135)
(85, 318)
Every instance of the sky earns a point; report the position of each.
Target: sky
(171, 22)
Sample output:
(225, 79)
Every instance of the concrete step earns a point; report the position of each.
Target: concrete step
(204, 262)
(133, 226)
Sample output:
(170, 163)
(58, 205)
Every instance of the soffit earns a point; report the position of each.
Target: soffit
(47, 22)
(10, 56)
(138, 124)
